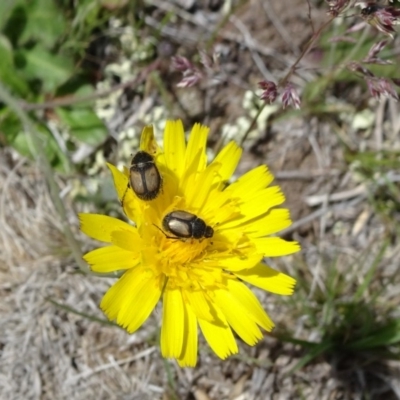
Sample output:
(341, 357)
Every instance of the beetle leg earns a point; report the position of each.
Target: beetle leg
(123, 196)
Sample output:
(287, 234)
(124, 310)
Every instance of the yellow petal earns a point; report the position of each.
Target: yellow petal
(219, 335)
(251, 182)
(100, 227)
(275, 246)
(268, 279)
(191, 173)
(132, 298)
(174, 146)
(131, 204)
(196, 157)
(262, 201)
(188, 357)
(253, 208)
(228, 158)
(250, 302)
(238, 317)
(237, 263)
(227, 208)
(127, 239)
(200, 305)
(197, 192)
(172, 329)
(120, 181)
(276, 220)
(148, 142)
(111, 258)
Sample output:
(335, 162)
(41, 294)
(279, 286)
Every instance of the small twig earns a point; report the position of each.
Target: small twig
(123, 361)
(319, 213)
(68, 101)
(252, 124)
(305, 51)
(317, 150)
(250, 44)
(285, 79)
(309, 16)
(276, 22)
(305, 175)
(395, 119)
(379, 118)
(340, 196)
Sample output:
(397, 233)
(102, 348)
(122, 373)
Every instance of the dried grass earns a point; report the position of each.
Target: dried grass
(47, 352)
(50, 353)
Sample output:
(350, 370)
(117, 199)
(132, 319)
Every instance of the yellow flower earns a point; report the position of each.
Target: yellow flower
(201, 281)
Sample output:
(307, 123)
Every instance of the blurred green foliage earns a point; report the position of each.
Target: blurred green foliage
(333, 58)
(42, 46)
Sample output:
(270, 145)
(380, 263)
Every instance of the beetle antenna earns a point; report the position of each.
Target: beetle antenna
(160, 230)
(168, 237)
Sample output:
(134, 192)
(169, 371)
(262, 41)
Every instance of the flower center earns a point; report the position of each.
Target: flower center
(178, 253)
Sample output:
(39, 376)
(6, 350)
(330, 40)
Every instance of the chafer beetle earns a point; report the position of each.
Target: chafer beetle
(186, 225)
(144, 179)
(371, 8)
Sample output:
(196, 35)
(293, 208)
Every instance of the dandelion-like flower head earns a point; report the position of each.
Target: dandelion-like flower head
(200, 281)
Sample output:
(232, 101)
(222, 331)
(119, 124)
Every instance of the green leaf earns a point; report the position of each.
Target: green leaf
(314, 90)
(45, 23)
(385, 336)
(52, 70)
(16, 22)
(8, 73)
(84, 124)
(368, 277)
(6, 53)
(23, 144)
(6, 8)
(10, 126)
(79, 88)
(316, 351)
(87, 15)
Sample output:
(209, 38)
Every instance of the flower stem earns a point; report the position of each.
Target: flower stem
(292, 69)
(305, 51)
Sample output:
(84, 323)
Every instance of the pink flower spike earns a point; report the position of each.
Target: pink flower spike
(191, 79)
(191, 75)
(373, 52)
(381, 87)
(376, 48)
(381, 17)
(360, 70)
(182, 64)
(270, 91)
(290, 97)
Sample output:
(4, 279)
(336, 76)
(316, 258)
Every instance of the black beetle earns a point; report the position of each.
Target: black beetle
(144, 179)
(370, 9)
(186, 225)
